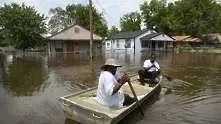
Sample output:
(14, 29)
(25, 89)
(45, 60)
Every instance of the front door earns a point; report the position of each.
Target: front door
(70, 47)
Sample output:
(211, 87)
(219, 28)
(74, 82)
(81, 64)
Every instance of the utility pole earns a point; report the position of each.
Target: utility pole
(91, 30)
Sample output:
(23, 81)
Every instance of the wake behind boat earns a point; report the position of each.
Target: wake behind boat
(84, 108)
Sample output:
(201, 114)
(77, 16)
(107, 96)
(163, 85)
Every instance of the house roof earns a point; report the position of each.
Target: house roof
(180, 38)
(70, 34)
(213, 36)
(195, 40)
(149, 36)
(128, 34)
(186, 39)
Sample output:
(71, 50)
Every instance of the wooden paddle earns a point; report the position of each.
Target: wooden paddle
(135, 96)
(169, 78)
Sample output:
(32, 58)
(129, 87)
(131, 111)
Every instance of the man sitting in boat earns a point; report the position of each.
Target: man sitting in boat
(151, 70)
(108, 92)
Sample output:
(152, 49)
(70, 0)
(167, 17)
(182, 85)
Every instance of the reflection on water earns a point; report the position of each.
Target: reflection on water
(30, 84)
(22, 76)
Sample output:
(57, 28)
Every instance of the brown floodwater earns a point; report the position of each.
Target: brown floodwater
(30, 84)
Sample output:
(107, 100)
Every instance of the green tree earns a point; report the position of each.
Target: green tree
(155, 14)
(114, 30)
(22, 26)
(185, 17)
(197, 17)
(76, 14)
(59, 20)
(130, 22)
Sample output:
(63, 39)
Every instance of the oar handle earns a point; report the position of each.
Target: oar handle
(135, 96)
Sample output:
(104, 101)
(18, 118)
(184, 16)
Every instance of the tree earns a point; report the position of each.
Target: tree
(130, 22)
(196, 17)
(184, 17)
(114, 30)
(76, 14)
(59, 20)
(154, 14)
(22, 26)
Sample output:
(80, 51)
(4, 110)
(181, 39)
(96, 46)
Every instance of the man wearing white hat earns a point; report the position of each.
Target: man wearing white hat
(109, 93)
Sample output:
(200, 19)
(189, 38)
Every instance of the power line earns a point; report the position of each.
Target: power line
(107, 13)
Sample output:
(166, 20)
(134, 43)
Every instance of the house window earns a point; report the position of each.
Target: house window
(144, 44)
(113, 41)
(128, 43)
(76, 30)
(58, 46)
(108, 44)
(118, 44)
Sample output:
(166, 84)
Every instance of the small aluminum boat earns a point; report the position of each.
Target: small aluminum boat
(84, 108)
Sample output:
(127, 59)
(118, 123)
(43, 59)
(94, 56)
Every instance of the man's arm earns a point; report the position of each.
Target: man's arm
(158, 67)
(121, 82)
(117, 87)
(148, 68)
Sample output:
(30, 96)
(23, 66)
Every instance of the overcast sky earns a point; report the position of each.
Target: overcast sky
(112, 9)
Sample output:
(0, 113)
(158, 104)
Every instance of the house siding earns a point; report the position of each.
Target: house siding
(113, 44)
(159, 41)
(70, 34)
(138, 41)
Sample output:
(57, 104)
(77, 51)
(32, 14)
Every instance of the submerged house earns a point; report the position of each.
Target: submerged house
(139, 40)
(187, 40)
(74, 39)
(213, 39)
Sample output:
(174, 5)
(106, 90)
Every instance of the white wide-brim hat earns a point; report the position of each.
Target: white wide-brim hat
(111, 62)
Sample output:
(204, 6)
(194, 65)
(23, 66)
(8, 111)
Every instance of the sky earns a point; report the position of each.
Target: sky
(113, 10)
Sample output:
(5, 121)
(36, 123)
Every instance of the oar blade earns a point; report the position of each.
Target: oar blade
(169, 78)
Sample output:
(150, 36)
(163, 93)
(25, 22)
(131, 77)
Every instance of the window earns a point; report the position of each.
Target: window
(76, 30)
(113, 41)
(144, 44)
(108, 44)
(58, 46)
(127, 43)
(118, 44)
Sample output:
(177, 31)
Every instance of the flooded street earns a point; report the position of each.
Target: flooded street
(30, 84)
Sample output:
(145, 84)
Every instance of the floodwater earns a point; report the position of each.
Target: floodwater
(30, 84)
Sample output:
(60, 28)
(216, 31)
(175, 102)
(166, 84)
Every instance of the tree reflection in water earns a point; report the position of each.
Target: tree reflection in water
(22, 76)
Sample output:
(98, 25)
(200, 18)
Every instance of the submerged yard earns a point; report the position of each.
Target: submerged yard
(31, 83)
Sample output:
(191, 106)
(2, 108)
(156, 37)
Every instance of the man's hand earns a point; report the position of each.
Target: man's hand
(125, 78)
(153, 66)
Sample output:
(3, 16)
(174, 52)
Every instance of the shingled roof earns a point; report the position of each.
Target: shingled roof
(128, 34)
(149, 36)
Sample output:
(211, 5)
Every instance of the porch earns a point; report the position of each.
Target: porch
(155, 45)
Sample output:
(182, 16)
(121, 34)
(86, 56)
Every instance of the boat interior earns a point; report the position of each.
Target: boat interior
(88, 100)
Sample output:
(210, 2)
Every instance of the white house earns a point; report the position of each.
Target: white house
(139, 40)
